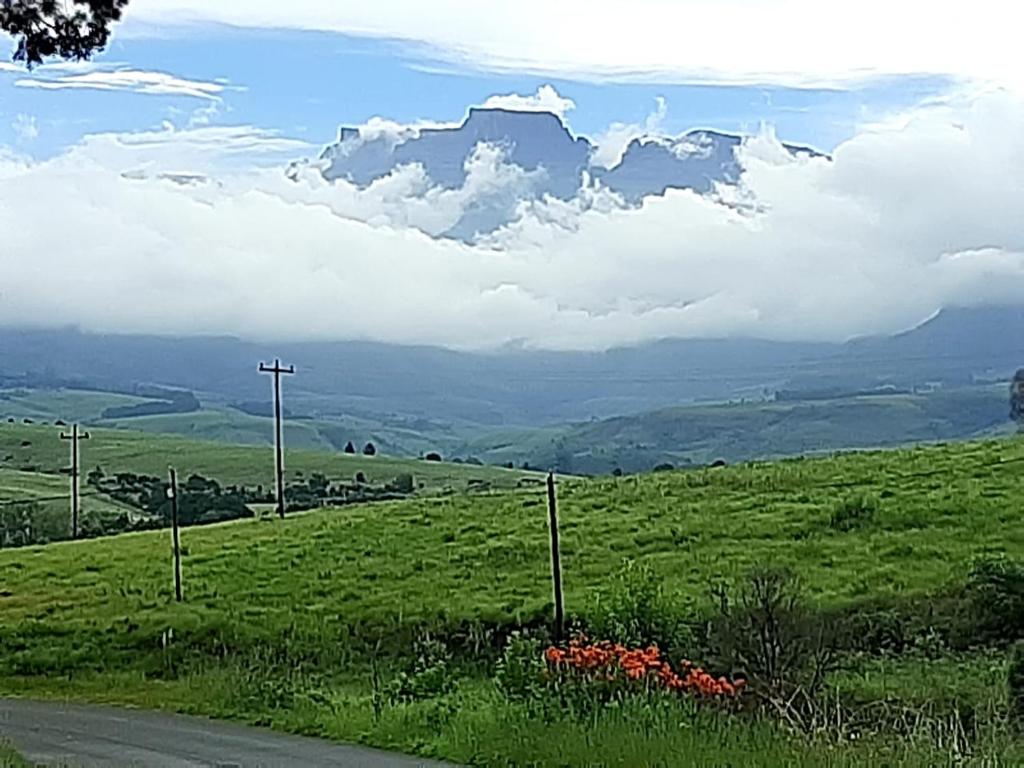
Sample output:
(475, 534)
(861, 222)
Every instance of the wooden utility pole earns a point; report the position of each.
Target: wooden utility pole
(74, 437)
(172, 493)
(556, 561)
(277, 370)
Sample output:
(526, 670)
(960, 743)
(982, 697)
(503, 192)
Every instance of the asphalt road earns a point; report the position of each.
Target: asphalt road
(87, 736)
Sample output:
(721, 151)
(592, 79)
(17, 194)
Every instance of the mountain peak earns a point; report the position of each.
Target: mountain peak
(540, 143)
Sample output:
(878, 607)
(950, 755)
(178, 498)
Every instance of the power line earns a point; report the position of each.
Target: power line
(74, 437)
(278, 370)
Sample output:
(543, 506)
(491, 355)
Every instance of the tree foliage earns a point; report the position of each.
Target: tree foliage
(69, 29)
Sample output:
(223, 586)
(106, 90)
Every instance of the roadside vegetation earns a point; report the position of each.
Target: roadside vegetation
(9, 758)
(892, 582)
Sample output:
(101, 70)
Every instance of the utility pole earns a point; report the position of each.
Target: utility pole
(74, 437)
(172, 492)
(277, 370)
(556, 561)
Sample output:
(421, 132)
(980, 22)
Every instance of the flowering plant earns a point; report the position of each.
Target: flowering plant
(646, 667)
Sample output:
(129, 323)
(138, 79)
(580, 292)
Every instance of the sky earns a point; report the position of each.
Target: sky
(151, 183)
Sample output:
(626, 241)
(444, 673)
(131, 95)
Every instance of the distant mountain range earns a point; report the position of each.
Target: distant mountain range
(557, 162)
(525, 388)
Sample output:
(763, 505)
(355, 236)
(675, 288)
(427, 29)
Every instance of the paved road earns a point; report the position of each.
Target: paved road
(69, 734)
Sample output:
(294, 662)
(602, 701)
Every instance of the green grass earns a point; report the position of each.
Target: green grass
(70, 405)
(41, 489)
(38, 448)
(486, 556)
(46, 496)
(218, 421)
(96, 620)
(9, 757)
(700, 434)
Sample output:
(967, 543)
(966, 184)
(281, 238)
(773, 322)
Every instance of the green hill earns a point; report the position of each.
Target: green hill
(37, 448)
(45, 498)
(695, 435)
(281, 618)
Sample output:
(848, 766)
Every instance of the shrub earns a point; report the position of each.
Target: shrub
(765, 631)
(853, 512)
(995, 599)
(369, 450)
(429, 676)
(520, 674)
(402, 484)
(433, 456)
(1015, 684)
(634, 610)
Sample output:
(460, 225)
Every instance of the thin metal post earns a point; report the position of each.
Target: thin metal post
(556, 561)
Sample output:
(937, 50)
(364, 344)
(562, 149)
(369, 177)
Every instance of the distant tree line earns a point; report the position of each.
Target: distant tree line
(200, 500)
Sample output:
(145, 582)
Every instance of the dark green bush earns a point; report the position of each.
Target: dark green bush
(634, 610)
(995, 600)
(429, 675)
(1015, 684)
(520, 674)
(853, 512)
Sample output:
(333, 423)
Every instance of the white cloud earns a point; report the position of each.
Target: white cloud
(789, 42)
(902, 221)
(546, 99)
(129, 80)
(25, 128)
(612, 144)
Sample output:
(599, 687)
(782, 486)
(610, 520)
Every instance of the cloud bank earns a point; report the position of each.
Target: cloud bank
(178, 232)
(781, 42)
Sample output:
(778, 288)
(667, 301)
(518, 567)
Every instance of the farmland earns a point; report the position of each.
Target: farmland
(687, 435)
(96, 620)
(36, 448)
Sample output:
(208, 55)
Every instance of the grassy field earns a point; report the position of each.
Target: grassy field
(37, 448)
(689, 435)
(45, 498)
(9, 758)
(44, 490)
(700, 434)
(95, 620)
(218, 421)
(69, 405)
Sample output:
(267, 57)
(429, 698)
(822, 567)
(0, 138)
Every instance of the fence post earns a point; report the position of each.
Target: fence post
(556, 561)
(172, 492)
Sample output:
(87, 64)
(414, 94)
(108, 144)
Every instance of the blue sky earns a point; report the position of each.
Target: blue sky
(305, 84)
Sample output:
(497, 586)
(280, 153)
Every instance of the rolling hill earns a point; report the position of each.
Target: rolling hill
(304, 623)
(36, 448)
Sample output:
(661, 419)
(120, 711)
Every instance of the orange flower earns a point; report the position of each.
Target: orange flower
(607, 662)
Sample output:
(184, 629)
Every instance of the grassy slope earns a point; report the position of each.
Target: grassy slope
(637, 442)
(130, 451)
(741, 431)
(89, 616)
(33, 486)
(218, 421)
(47, 497)
(9, 758)
(486, 556)
(68, 404)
